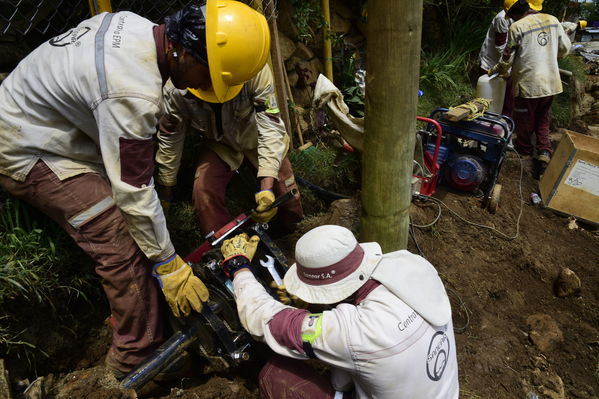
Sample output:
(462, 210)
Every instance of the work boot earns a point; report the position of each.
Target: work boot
(544, 156)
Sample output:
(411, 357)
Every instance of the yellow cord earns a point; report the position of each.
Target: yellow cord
(472, 106)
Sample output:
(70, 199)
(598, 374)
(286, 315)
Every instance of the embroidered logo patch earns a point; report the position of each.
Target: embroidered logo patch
(543, 38)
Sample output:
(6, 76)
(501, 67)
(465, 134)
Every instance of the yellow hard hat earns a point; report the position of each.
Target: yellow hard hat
(582, 24)
(237, 43)
(507, 4)
(536, 5)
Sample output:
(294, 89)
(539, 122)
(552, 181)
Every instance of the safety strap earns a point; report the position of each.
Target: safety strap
(308, 350)
(314, 330)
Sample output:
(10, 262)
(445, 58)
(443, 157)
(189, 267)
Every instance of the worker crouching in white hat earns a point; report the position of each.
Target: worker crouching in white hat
(388, 333)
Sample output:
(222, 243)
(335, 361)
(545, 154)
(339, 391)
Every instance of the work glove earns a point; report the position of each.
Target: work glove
(240, 245)
(286, 298)
(182, 289)
(501, 68)
(165, 194)
(238, 252)
(264, 199)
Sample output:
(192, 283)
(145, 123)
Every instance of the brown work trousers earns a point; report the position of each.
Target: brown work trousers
(283, 377)
(82, 206)
(210, 185)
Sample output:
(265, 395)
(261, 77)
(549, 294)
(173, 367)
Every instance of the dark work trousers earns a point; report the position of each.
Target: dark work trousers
(508, 100)
(82, 205)
(283, 377)
(532, 116)
(210, 185)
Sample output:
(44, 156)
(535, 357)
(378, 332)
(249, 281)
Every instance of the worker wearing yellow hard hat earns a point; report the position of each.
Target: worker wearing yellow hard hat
(535, 41)
(237, 44)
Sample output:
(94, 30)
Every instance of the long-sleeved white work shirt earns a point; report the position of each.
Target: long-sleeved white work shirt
(495, 41)
(534, 44)
(381, 347)
(89, 100)
(250, 128)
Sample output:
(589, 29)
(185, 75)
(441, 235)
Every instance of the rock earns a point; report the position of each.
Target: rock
(286, 46)
(545, 334)
(302, 116)
(593, 130)
(291, 63)
(339, 24)
(302, 96)
(293, 78)
(285, 22)
(567, 283)
(595, 93)
(5, 391)
(303, 52)
(593, 117)
(35, 390)
(548, 384)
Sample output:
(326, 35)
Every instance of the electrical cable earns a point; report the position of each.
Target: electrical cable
(413, 235)
(466, 311)
(483, 226)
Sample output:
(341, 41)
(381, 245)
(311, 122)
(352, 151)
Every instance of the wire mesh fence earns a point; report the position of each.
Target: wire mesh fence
(21, 18)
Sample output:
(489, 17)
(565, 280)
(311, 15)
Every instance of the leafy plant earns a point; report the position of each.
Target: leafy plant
(29, 260)
(307, 18)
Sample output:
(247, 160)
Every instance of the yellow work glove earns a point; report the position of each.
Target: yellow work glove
(240, 245)
(264, 199)
(286, 298)
(182, 289)
(501, 68)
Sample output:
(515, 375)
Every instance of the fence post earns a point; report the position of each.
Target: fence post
(99, 6)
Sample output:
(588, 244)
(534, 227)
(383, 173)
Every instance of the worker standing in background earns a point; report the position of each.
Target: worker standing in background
(491, 51)
(77, 117)
(246, 127)
(383, 324)
(572, 27)
(535, 41)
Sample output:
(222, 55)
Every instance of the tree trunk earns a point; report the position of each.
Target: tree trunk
(393, 63)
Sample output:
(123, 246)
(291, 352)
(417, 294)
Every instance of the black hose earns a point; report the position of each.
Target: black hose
(325, 195)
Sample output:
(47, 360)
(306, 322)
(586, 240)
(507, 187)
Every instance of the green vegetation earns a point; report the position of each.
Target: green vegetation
(561, 109)
(29, 260)
(307, 18)
(38, 267)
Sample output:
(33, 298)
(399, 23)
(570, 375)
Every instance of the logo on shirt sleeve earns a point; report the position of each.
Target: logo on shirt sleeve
(70, 37)
(438, 355)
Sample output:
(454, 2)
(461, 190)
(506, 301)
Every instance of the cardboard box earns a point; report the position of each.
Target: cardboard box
(570, 183)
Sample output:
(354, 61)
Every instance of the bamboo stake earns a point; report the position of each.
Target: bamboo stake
(278, 68)
(327, 47)
(298, 127)
(99, 6)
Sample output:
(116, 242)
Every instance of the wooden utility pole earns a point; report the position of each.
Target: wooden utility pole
(393, 63)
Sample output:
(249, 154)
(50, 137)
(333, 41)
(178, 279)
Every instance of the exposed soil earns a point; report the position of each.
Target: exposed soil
(515, 335)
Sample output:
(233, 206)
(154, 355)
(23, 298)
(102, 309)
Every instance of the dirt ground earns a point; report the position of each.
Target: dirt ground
(515, 336)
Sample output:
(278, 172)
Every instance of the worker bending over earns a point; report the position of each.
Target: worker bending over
(246, 127)
(77, 118)
(535, 41)
(384, 326)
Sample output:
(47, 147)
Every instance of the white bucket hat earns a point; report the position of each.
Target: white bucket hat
(330, 265)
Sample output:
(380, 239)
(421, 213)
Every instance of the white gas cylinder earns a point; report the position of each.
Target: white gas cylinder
(492, 88)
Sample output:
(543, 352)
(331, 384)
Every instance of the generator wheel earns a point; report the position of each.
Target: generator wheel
(494, 199)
